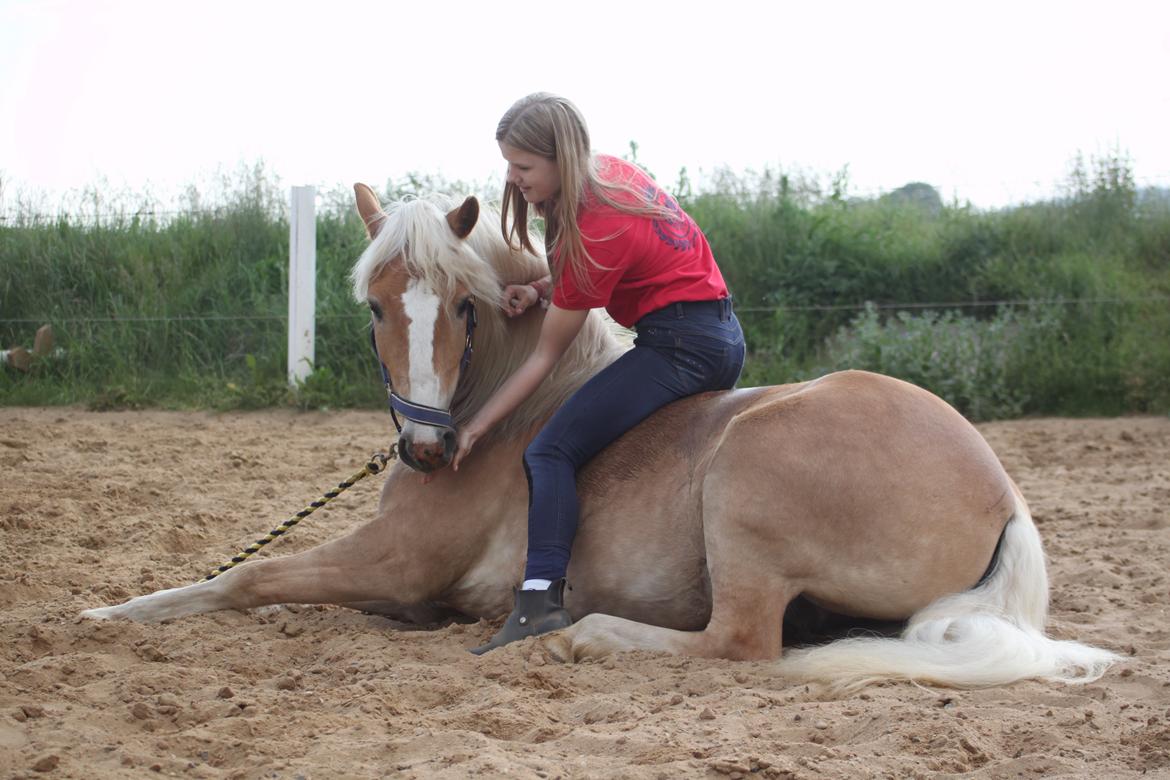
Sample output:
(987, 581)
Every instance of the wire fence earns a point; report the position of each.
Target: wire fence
(953, 304)
(118, 218)
(361, 315)
(180, 318)
(33, 216)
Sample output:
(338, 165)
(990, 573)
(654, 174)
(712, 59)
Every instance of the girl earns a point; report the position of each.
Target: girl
(614, 240)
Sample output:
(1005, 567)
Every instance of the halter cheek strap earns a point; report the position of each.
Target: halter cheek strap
(421, 413)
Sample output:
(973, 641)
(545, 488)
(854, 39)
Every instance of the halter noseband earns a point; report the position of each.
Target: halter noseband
(421, 413)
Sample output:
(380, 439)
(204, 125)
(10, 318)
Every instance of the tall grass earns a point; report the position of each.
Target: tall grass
(182, 310)
(823, 282)
(189, 309)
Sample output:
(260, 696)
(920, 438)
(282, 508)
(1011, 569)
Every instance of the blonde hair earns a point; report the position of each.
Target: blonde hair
(552, 127)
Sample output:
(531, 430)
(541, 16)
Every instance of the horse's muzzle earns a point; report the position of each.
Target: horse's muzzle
(427, 456)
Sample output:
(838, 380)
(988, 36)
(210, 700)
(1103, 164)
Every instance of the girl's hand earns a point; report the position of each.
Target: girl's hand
(464, 443)
(518, 298)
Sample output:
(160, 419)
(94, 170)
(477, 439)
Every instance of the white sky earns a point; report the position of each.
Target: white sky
(988, 101)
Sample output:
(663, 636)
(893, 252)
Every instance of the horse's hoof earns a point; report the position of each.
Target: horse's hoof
(558, 647)
(99, 613)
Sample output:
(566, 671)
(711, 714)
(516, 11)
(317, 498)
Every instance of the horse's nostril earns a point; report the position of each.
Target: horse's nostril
(449, 440)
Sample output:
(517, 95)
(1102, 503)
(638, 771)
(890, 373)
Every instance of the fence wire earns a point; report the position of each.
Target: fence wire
(739, 310)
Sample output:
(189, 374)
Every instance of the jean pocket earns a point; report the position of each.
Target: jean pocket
(701, 363)
(733, 366)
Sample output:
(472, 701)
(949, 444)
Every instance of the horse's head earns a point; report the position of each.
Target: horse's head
(421, 277)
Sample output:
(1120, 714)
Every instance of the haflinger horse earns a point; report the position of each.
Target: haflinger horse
(858, 494)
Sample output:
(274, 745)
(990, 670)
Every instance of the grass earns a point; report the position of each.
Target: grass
(188, 309)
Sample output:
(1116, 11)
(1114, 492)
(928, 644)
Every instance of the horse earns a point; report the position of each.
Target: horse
(853, 494)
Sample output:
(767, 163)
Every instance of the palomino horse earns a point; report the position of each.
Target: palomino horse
(864, 495)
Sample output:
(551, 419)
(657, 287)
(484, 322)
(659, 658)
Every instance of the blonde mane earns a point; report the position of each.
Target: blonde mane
(416, 230)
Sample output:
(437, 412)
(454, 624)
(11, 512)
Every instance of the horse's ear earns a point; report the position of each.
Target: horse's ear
(463, 219)
(370, 208)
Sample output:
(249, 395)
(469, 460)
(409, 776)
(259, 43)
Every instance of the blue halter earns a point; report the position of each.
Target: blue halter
(421, 413)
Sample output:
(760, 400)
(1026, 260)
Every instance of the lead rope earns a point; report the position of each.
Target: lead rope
(378, 462)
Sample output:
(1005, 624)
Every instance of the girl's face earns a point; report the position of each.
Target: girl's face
(536, 177)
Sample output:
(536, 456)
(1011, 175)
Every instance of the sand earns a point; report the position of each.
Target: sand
(98, 507)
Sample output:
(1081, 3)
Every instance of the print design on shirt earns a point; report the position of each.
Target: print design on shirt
(679, 232)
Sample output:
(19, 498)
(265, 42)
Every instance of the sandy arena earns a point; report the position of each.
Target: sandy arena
(98, 507)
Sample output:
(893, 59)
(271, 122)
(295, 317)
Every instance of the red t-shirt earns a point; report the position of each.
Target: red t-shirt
(647, 264)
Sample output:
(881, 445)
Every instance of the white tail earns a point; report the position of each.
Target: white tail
(989, 635)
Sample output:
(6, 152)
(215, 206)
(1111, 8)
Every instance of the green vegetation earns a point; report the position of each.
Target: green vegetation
(823, 282)
(188, 309)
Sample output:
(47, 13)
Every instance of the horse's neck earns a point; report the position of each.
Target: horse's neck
(594, 347)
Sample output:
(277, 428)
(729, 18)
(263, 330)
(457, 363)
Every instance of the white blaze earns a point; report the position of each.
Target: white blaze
(422, 310)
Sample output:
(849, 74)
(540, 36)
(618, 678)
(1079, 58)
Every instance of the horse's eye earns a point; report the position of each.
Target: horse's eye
(375, 309)
(467, 312)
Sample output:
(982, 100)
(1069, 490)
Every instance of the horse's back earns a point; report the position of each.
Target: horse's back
(895, 443)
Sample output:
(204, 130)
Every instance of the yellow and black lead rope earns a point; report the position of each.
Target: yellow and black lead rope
(378, 461)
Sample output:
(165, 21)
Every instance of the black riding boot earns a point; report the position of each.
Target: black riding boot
(536, 612)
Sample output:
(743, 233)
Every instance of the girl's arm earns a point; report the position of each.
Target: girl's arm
(557, 332)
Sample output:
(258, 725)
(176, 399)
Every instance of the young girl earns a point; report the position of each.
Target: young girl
(614, 240)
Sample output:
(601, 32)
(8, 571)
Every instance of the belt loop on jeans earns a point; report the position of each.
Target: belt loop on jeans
(725, 309)
(679, 313)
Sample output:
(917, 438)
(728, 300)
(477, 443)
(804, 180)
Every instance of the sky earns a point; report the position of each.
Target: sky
(989, 102)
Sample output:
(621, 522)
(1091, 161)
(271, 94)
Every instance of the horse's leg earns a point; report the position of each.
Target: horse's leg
(402, 558)
(356, 568)
(207, 596)
(745, 625)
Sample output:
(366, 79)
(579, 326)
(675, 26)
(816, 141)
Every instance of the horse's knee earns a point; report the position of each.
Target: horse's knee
(747, 643)
(747, 624)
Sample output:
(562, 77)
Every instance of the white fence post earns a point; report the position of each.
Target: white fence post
(302, 282)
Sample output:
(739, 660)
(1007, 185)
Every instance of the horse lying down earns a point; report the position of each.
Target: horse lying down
(854, 493)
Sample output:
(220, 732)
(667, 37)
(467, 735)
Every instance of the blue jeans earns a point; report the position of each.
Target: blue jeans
(681, 349)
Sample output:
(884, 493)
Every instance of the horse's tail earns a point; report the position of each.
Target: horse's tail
(990, 635)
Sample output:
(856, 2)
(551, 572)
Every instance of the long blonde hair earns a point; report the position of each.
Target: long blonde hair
(552, 127)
